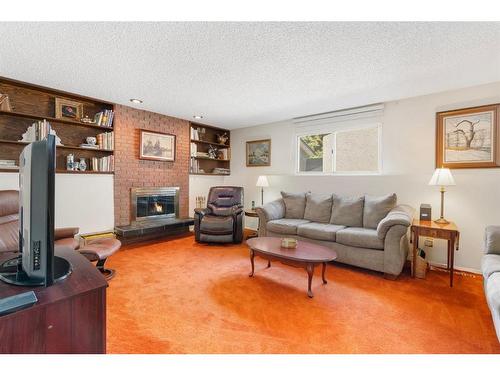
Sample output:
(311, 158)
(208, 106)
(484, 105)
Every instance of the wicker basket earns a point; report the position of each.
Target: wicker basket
(420, 267)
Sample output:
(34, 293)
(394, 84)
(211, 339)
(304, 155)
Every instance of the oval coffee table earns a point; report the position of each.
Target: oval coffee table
(306, 255)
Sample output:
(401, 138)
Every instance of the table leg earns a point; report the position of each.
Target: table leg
(310, 272)
(415, 247)
(252, 255)
(452, 259)
(323, 273)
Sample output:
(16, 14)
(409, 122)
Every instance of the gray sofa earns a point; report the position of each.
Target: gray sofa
(369, 232)
(491, 273)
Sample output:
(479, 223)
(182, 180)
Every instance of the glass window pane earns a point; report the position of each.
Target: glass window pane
(357, 150)
(315, 153)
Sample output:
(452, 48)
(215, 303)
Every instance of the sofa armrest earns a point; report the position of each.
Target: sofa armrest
(399, 215)
(270, 211)
(70, 232)
(492, 239)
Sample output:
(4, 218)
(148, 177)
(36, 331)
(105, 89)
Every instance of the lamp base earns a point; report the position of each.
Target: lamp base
(441, 221)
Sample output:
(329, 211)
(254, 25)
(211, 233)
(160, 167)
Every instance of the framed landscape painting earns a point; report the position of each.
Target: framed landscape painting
(157, 146)
(468, 138)
(259, 153)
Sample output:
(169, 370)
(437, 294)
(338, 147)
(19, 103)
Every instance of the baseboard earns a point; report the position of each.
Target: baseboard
(464, 269)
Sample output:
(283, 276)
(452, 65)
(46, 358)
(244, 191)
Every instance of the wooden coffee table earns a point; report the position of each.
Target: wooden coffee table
(306, 255)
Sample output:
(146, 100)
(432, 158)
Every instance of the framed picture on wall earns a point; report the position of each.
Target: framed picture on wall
(68, 109)
(157, 146)
(259, 153)
(468, 138)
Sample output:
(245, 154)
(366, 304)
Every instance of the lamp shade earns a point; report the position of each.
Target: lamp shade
(262, 182)
(442, 177)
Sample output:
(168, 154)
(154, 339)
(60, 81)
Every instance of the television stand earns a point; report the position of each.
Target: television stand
(12, 274)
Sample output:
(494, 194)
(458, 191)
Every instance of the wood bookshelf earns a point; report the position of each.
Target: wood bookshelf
(31, 103)
(204, 165)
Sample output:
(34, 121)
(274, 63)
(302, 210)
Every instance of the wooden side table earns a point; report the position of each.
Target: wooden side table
(252, 213)
(429, 228)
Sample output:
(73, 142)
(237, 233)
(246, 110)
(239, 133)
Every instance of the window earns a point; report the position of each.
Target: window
(345, 151)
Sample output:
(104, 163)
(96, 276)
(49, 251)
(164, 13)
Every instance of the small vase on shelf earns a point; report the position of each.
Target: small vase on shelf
(82, 165)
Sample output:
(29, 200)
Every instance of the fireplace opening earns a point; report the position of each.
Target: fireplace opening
(154, 203)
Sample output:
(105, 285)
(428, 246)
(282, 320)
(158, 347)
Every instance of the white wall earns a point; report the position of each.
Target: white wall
(408, 161)
(199, 186)
(84, 201)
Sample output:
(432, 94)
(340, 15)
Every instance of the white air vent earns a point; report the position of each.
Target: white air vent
(342, 115)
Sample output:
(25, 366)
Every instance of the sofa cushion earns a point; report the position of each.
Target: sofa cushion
(377, 208)
(295, 205)
(347, 211)
(318, 207)
(493, 298)
(285, 226)
(360, 237)
(492, 240)
(490, 264)
(319, 231)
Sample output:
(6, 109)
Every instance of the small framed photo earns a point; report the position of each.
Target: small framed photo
(68, 109)
(468, 138)
(259, 153)
(157, 146)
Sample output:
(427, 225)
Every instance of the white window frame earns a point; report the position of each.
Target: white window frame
(334, 129)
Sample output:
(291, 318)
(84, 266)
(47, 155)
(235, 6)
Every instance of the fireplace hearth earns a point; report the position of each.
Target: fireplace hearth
(149, 204)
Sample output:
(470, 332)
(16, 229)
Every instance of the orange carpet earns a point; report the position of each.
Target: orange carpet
(178, 296)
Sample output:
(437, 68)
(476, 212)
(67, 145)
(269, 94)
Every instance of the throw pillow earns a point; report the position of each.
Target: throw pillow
(347, 211)
(295, 205)
(318, 207)
(376, 208)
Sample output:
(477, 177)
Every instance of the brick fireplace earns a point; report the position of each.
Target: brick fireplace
(132, 172)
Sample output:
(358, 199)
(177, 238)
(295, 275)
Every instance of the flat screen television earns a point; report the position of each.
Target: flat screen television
(36, 264)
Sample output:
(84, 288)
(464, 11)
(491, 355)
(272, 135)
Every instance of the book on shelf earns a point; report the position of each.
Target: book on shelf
(104, 164)
(224, 153)
(104, 118)
(194, 149)
(194, 134)
(106, 141)
(8, 164)
(221, 171)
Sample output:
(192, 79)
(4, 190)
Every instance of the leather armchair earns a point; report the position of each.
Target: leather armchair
(9, 225)
(222, 219)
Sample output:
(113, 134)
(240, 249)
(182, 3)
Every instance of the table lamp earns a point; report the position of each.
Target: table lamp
(442, 177)
(262, 183)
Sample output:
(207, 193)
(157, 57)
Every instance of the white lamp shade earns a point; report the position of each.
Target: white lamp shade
(262, 182)
(442, 177)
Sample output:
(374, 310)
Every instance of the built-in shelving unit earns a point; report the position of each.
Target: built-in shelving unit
(204, 137)
(31, 103)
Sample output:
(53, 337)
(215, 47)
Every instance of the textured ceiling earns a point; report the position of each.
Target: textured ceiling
(242, 74)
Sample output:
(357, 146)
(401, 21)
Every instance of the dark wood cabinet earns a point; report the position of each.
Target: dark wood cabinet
(69, 317)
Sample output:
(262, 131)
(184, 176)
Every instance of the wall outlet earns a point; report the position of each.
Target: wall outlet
(429, 242)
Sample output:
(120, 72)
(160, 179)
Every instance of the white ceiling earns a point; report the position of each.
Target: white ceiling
(243, 74)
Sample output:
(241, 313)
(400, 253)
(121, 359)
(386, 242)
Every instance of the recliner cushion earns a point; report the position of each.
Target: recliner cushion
(490, 264)
(360, 237)
(216, 224)
(347, 211)
(295, 205)
(318, 207)
(377, 208)
(285, 226)
(319, 231)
